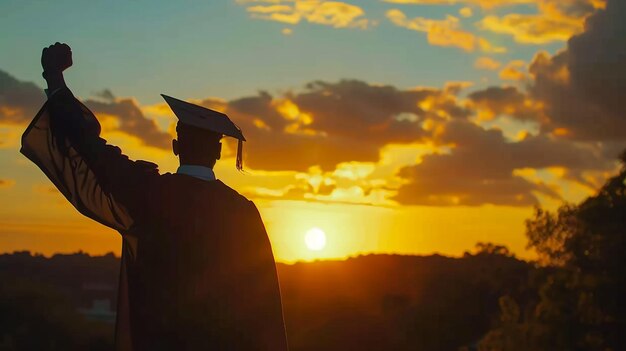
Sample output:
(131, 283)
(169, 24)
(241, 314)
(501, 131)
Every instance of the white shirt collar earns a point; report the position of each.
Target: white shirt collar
(201, 172)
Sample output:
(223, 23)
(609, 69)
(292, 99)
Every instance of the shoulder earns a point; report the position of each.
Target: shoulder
(239, 199)
(147, 167)
(230, 192)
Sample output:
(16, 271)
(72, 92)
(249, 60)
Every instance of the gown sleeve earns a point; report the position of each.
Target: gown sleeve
(63, 140)
(260, 289)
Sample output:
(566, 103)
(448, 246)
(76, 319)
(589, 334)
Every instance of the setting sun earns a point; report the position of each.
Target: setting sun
(315, 239)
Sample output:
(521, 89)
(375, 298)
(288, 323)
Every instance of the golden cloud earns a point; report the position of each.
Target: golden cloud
(555, 21)
(487, 63)
(533, 29)
(514, 71)
(350, 182)
(466, 12)
(482, 3)
(446, 32)
(335, 14)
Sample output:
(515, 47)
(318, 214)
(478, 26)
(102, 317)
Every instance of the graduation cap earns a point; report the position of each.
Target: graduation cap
(204, 118)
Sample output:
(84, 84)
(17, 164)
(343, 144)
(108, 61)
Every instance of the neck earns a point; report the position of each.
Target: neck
(196, 164)
(195, 161)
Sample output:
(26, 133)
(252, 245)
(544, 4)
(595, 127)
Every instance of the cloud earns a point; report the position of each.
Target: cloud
(106, 94)
(488, 4)
(466, 12)
(532, 29)
(130, 119)
(446, 32)
(513, 71)
(324, 124)
(350, 182)
(19, 101)
(329, 123)
(335, 14)
(582, 87)
(331, 137)
(554, 21)
(487, 63)
(481, 169)
(571, 7)
(352, 121)
(509, 101)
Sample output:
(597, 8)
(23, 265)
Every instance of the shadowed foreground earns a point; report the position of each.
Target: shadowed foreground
(366, 303)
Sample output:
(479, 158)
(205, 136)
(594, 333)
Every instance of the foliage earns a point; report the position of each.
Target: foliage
(579, 305)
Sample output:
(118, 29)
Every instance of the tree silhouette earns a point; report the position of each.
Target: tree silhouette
(580, 302)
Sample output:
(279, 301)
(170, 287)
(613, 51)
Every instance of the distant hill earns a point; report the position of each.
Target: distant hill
(373, 302)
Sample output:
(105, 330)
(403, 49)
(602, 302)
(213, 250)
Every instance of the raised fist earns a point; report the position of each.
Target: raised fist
(56, 58)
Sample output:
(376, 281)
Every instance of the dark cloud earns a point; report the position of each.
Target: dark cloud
(329, 123)
(506, 101)
(353, 108)
(357, 110)
(19, 101)
(132, 121)
(583, 86)
(260, 107)
(572, 8)
(313, 128)
(480, 169)
(597, 58)
(106, 95)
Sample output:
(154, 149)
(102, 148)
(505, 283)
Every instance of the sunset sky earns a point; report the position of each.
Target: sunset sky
(397, 126)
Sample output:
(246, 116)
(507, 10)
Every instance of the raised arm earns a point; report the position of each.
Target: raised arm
(64, 141)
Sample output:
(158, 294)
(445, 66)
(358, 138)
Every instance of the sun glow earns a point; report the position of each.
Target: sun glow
(315, 239)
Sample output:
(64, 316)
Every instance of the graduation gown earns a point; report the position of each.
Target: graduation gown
(197, 270)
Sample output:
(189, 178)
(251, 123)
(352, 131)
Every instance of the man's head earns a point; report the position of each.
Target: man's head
(196, 146)
(199, 132)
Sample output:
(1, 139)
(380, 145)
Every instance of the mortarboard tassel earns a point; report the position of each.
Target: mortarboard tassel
(239, 155)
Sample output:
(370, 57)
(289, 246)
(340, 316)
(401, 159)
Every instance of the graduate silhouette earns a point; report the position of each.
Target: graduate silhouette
(197, 267)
